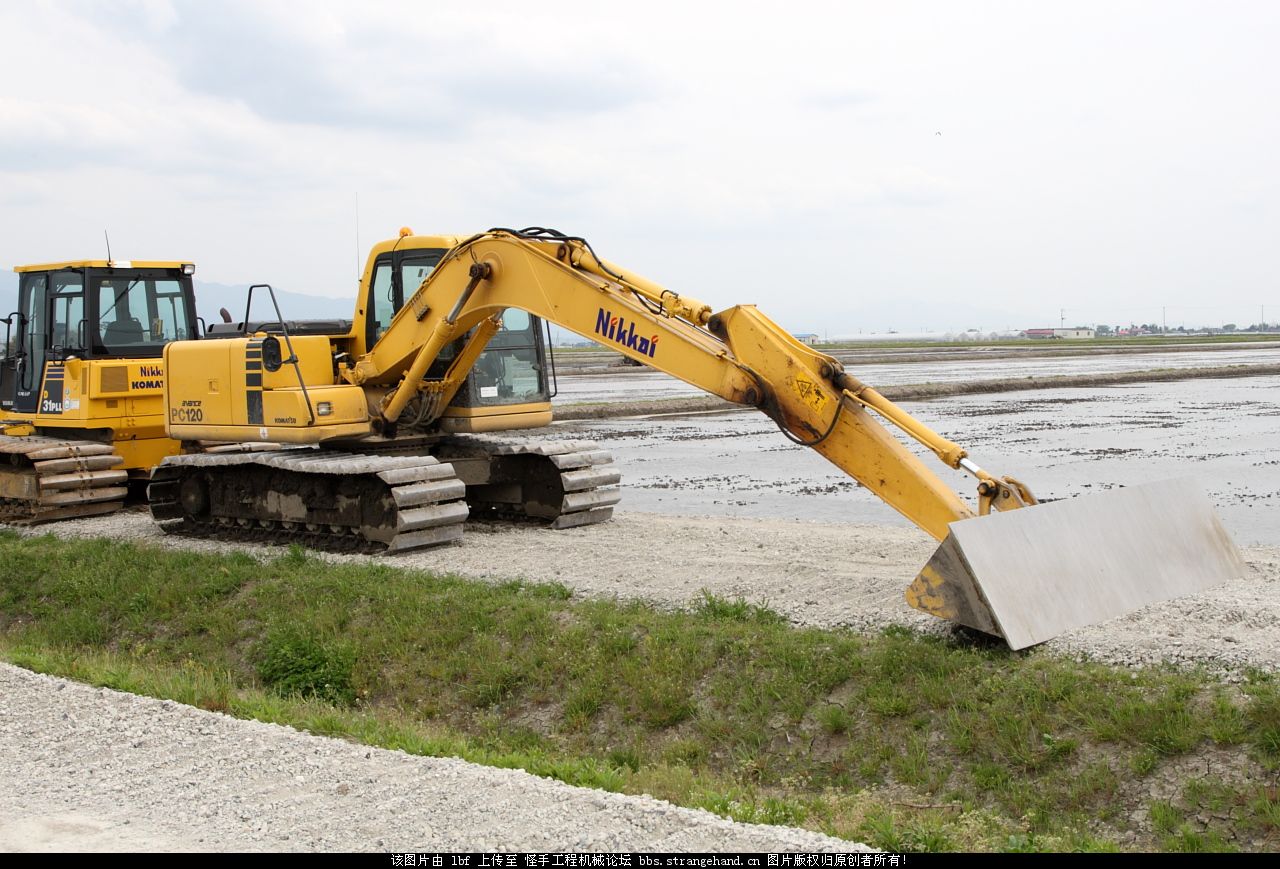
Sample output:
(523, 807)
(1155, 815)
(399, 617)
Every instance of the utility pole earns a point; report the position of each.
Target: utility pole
(1164, 320)
(1062, 318)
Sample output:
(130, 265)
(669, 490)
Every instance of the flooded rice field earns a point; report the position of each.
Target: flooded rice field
(1061, 442)
(635, 384)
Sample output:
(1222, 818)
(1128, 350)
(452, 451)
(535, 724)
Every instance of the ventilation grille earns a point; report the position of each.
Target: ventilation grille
(115, 379)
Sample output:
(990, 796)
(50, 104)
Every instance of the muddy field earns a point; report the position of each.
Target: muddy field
(1061, 442)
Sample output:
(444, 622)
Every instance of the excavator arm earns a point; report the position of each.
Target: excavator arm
(738, 354)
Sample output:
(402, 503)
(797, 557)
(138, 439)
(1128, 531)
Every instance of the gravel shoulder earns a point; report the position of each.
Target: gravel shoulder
(101, 770)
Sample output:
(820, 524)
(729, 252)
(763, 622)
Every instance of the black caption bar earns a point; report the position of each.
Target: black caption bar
(640, 860)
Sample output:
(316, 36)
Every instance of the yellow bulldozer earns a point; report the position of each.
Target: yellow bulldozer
(82, 383)
(387, 431)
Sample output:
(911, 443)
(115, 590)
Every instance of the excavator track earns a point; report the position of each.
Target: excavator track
(47, 479)
(325, 499)
(564, 483)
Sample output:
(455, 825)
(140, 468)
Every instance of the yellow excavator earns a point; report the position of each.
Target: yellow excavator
(82, 382)
(367, 419)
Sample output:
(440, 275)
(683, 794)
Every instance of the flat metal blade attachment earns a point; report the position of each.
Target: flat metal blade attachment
(1031, 574)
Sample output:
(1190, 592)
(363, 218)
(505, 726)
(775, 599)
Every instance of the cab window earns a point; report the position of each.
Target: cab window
(382, 305)
(508, 370)
(396, 277)
(414, 270)
(33, 337)
(140, 314)
(66, 304)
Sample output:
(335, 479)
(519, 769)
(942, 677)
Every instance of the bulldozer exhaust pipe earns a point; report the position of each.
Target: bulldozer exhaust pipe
(1029, 575)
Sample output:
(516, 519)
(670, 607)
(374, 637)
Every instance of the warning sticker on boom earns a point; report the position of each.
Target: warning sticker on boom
(811, 393)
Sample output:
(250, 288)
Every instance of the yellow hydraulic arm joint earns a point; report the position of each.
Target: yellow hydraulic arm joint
(437, 395)
(952, 454)
(815, 411)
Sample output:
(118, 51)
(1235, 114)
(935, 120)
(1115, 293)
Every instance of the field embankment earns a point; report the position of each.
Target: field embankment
(901, 740)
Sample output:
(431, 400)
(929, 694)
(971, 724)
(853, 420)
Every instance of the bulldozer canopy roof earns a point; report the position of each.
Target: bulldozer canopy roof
(103, 264)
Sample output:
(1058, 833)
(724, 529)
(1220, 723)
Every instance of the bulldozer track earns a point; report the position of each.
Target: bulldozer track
(48, 479)
(323, 499)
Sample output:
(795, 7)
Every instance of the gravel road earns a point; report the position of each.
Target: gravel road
(98, 770)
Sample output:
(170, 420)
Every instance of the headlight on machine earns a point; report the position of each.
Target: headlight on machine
(324, 408)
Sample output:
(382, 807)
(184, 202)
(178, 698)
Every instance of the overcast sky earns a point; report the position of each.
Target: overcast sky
(845, 166)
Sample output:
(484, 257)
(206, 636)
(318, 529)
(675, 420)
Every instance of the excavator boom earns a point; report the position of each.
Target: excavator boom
(1026, 575)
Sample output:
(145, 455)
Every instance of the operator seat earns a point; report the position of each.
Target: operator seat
(126, 331)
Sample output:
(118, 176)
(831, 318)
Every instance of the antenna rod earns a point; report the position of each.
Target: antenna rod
(108, 238)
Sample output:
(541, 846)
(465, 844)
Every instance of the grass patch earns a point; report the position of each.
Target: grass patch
(295, 661)
(903, 741)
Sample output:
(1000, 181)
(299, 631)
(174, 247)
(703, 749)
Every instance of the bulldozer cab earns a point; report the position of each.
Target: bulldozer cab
(90, 310)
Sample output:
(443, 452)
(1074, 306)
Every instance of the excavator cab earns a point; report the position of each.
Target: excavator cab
(512, 382)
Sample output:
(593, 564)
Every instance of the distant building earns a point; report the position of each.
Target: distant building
(806, 338)
(1058, 333)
